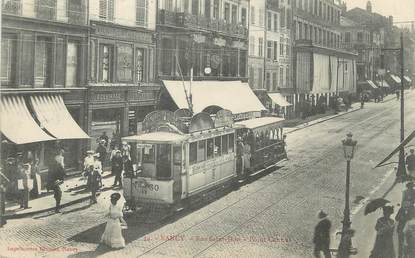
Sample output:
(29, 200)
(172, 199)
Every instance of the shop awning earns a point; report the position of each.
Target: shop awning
(17, 124)
(55, 117)
(235, 96)
(279, 99)
(407, 79)
(383, 84)
(260, 122)
(372, 84)
(156, 137)
(401, 145)
(395, 78)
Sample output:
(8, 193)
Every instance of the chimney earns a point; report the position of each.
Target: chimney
(369, 6)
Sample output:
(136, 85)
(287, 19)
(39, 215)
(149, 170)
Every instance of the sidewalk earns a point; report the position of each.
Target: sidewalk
(73, 191)
(354, 107)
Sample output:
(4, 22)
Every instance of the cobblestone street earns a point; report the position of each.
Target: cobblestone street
(273, 216)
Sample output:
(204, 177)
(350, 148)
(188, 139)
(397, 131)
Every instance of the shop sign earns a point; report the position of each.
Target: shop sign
(107, 96)
(121, 33)
(246, 115)
(219, 42)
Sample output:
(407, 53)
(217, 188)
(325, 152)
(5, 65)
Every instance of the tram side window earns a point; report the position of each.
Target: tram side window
(148, 154)
(231, 142)
(210, 148)
(218, 149)
(224, 144)
(201, 151)
(163, 161)
(177, 155)
(193, 153)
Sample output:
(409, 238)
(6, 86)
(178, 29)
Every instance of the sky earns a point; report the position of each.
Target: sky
(401, 10)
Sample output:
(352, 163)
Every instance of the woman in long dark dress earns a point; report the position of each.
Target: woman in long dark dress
(384, 238)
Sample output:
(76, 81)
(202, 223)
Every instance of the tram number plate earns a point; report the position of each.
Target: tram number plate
(149, 187)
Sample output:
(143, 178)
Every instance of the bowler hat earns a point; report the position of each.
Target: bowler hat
(322, 214)
(115, 196)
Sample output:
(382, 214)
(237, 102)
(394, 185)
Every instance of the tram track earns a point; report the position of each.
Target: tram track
(295, 172)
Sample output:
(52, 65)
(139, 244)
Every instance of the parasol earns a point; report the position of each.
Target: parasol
(375, 204)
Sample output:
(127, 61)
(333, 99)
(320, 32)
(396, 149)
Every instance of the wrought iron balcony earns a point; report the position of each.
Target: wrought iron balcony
(198, 22)
(12, 7)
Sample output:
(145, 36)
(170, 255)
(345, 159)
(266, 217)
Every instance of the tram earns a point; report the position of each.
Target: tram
(180, 156)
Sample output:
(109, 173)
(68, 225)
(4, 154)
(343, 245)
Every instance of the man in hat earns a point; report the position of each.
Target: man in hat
(94, 180)
(410, 163)
(116, 167)
(125, 150)
(102, 151)
(408, 195)
(89, 159)
(25, 185)
(321, 238)
(56, 176)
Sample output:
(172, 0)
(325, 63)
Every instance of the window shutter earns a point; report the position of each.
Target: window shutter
(103, 9)
(111, 9)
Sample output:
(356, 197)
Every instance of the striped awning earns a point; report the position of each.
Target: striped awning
(17, 124)
(55, 118)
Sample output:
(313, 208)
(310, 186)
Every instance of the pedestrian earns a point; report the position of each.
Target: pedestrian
(127, 167)
(409, 236)
(284, 140)
(94, 179)
(102, 151)
(25, 184)
(56, 175)
(362, 101)
(113, 151)
(104, 138)
(321, 238)
(410, 163)
(397, 92)
(408, 195)
(112, 236)
(98, 166)
(116, 168)
(125, 150)
(385, 226)
(239, 156)
(88, 160)
(37, 180)
(402, 218)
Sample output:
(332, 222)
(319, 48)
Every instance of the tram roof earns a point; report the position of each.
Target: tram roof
(259, 122)
(157, 137)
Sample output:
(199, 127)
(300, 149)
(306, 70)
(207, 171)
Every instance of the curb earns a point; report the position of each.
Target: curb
(324, 120)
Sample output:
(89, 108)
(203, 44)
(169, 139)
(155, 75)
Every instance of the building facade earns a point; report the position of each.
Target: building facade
(43, 65)
(322, 68)
(122, 85)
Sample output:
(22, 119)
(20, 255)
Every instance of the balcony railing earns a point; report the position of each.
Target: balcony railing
(12, 7)
(191, 21)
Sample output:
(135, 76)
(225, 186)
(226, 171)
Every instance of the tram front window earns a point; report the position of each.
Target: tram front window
(163, 170)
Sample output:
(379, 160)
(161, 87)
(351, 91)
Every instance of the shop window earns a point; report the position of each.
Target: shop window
(233, 65)
(27, 58)
(106, 62)
(192, 153)
(218, 149)
(8, 60)
(195, 7)
(231, 142)
(106, 9)
(72, 64)
(43, 60)
(124, 63)
(139, 65)
(209, 148)
(201, 151)
(46, 9)
(149, 154)
(234, 14)
(141, 12)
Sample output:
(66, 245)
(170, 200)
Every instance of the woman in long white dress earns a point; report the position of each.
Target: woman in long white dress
(112, 235)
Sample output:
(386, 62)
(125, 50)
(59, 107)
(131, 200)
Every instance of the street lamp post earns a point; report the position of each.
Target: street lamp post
(345, 243)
